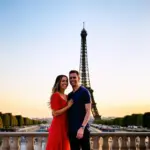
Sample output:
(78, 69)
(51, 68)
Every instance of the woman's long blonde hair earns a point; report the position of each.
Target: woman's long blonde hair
(56, 86)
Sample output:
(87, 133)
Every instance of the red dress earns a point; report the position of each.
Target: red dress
(58, 134)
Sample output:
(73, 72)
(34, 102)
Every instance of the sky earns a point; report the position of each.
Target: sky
(41, 39)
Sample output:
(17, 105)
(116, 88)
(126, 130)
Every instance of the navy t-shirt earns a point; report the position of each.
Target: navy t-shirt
(77, 111)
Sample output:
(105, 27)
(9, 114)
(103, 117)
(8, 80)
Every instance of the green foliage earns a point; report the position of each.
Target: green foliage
(20, 120)
(1, 123)
(128, 120)
(118, 121)
(44, 122)
(15, 121)
(140, 120)
(6, 120)
(146, 120)
(35, 122)
(27, 121)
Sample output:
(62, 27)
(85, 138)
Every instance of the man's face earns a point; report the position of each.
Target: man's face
(74, 79)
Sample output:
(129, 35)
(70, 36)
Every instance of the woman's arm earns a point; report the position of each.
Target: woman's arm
(61, 111)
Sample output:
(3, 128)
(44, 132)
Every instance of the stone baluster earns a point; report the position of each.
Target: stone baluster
(5, 143)
(147, 143)
(91, 143)
(30, 143)
(128, 143)
(45, 142)
(100, 142)
(39, 143)
(110, 143)
(142, 142)
(95, 142)
(137, 143)
(120, 143)
(105, 142)
(116, 140)
(133, 137)
(14, 143)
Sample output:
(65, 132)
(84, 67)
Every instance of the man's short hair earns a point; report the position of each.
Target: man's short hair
(74, 71)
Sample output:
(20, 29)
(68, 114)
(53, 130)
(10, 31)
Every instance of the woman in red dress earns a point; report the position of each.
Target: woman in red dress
(58, 131)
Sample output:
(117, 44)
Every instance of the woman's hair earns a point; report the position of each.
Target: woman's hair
(56, 87)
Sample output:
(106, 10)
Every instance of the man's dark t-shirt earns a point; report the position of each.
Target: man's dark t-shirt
(77, 111)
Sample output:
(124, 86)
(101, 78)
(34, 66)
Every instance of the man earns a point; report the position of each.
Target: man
(79, 114)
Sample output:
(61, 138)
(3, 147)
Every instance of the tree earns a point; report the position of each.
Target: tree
(14, 121)
(118, 121)
(139, 121)
(1, 114)
(35, 122)
(99, 121)
(44, 122)
(146, 120)
(10, 119)
(6, 120)
(26, 121)
(127, 120)
(20, 120)
(1, 123)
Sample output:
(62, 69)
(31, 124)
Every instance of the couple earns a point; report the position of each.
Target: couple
(71, 113)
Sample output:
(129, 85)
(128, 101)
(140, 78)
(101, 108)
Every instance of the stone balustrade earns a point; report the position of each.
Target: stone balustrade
(99, 141)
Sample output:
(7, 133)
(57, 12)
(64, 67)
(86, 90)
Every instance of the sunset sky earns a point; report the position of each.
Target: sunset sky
(41, 39)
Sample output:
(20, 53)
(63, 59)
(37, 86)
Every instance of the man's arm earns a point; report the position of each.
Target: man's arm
(88, 113)
(80, 132)
(87, 101)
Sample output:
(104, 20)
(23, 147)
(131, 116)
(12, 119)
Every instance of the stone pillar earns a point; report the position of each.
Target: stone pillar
(137, 143)
(100, 142)
(110, 143)
(132, 142)
(120, 143)
(30, 143)
(14, 143)
(128, 142)
(45, 142)
(94, 142)
(91, 143)
(39, 143)
(5, 143)
(147, 143)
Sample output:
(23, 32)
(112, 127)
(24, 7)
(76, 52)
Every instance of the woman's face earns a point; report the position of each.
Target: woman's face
(63, 83)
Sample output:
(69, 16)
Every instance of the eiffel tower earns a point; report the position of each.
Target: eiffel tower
(84, 72)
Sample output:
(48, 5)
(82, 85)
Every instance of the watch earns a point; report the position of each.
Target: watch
(83, 127)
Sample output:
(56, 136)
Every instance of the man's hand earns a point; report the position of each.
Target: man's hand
(80, 133)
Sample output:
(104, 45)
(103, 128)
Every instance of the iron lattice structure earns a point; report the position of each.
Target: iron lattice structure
(84, 72)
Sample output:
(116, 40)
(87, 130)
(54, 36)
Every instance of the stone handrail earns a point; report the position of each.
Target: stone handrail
(99, 141)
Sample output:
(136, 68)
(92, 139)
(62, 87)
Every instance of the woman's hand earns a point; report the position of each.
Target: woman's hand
(70, 103)
(61, 111)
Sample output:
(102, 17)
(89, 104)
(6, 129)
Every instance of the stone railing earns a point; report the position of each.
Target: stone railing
(99, 141)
